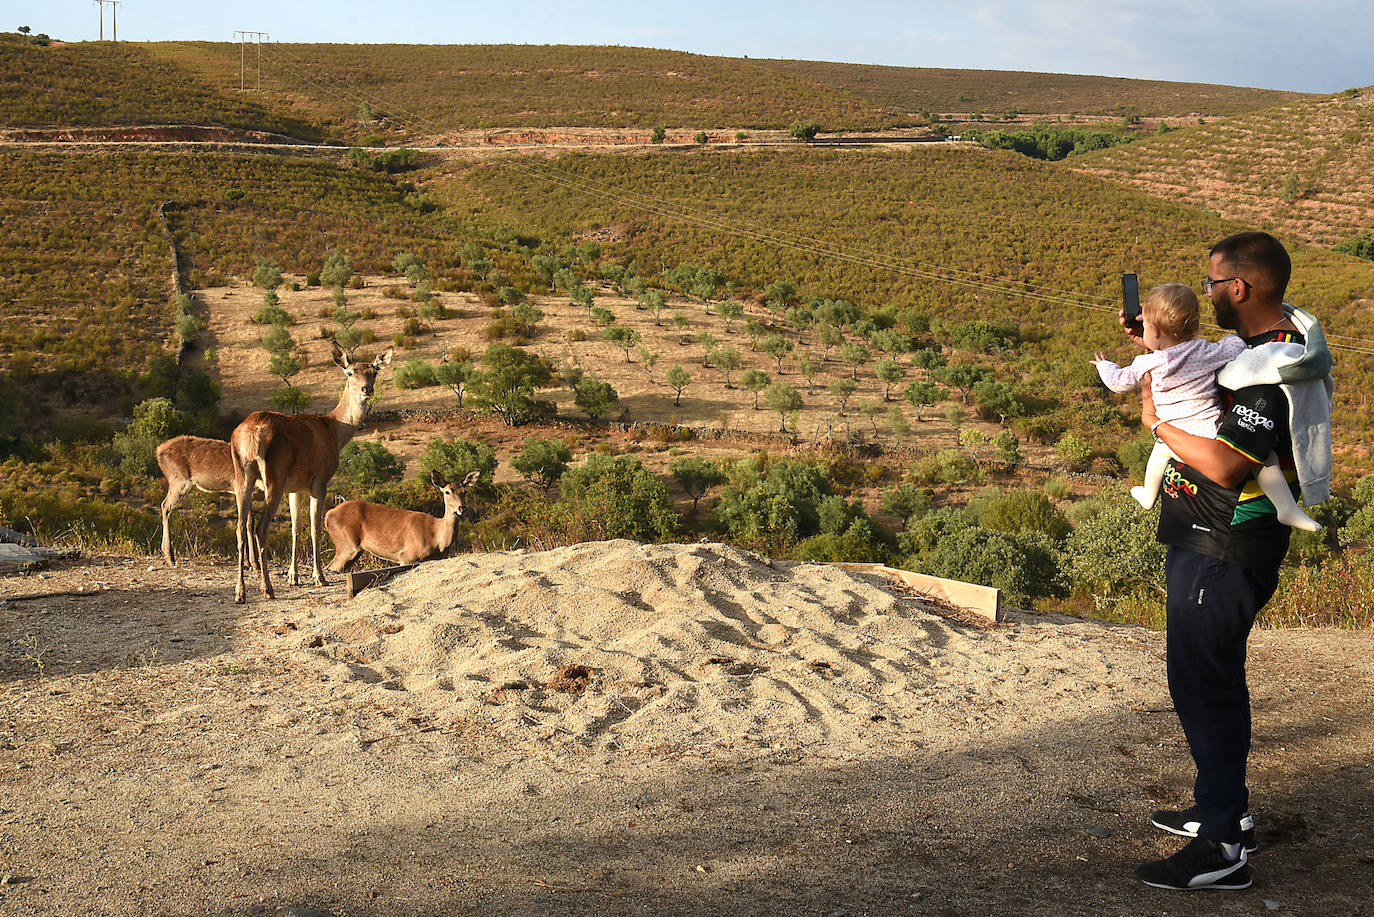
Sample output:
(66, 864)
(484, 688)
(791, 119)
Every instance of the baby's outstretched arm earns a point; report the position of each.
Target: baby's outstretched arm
(1117, 378)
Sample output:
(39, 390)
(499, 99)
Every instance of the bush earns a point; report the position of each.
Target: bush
(1134, 455)
(1074, 451)
(1024, 566)
(542, 461)
(1017, 511)
(948, 466)
(625, 499)
(696, 475)
(780, 505)
(366, 465)
(415, 374)
(457, 458)
(290, 399)
(855, 544)
(594, 397)
(1112, 550)
(506, 384)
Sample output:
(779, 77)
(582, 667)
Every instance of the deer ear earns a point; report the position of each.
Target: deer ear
(437, 479)
(340, 355)
(384, 359)
(471, 479)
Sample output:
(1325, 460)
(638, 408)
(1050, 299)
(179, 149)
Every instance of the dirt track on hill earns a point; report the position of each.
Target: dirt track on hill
(163, 751)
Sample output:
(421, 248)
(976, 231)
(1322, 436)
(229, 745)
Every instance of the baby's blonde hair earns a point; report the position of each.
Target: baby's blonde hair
(1173, 309)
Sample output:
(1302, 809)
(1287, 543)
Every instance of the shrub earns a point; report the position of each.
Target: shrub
(780, 505)
(594, 397)
(542, 461)
(1024, 566)
(1113, 550)
(456, 458)
(856, 544)
(506, 384)
(907, 502)
(267, 275)
(696, 475)
(366, 465)
(625, 499)
(1338, 593)
(1074, 451)
(415, 374)
(1134, 454)
(948, 466)
(1017, 511)
(290, 399)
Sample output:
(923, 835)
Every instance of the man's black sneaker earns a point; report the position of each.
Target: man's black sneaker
(1187, 822)
(1199, 866)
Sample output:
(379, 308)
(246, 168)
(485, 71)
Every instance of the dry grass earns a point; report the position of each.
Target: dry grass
(1304, 170)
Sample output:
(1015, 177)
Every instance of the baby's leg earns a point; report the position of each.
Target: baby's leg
(1148, 492)
(1275, 487)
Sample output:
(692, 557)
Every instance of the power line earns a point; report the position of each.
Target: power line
(114, 16)
(243, 47)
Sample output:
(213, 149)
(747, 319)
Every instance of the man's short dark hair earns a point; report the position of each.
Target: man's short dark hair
(1258, 252)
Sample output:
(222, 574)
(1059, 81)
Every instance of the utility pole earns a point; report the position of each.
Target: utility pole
(114, 16)
(243, 54)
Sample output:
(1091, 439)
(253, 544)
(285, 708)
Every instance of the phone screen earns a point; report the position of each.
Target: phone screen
(1130, 295)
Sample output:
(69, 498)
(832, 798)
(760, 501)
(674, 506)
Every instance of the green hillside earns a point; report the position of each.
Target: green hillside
(86, 291)
(948, 218)
(105, 84)
(473, 86)
(1304, 170)
(914, 89)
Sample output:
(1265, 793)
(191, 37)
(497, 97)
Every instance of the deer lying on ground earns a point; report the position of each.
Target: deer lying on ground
(193, 462)
(295, 454)
(397, 535)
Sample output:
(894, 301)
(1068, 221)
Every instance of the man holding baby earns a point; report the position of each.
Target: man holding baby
(1226, 542)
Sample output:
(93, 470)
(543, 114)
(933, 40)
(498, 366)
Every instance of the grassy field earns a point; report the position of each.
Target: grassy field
(449, 87)
(953, 234)
(86, 289)
(103, 84)
(960, 92)
(1302, 170)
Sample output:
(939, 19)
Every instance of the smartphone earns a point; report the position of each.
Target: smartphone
(1130, 296)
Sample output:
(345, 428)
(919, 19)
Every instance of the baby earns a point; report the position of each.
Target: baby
(1183, 371)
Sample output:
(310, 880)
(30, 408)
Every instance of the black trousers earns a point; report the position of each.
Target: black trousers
(1212, 605)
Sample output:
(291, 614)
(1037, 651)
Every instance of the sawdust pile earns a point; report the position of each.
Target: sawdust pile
(705, 647)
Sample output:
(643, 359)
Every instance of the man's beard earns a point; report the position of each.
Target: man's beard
(1226, 312)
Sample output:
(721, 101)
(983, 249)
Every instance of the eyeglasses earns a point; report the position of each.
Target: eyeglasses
(1209, 283)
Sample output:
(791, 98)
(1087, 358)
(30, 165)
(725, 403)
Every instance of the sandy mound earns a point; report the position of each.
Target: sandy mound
(699, 647)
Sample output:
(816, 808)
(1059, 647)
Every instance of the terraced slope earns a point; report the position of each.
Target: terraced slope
(104, 84)
(474, 86)
(86, 277)
(1303, 170)
(949, 218)
(912, 89)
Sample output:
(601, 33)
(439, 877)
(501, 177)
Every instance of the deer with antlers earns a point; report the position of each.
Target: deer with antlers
(296, 454)
(397, 535)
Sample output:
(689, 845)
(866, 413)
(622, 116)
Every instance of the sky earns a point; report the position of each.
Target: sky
(1304, 45)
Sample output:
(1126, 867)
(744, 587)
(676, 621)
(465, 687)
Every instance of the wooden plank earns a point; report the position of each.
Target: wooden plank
(359, 581)
(985, 601)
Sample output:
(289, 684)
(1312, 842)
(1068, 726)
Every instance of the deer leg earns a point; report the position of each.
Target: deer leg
(243, 503)
(270, 503)
(316, 523)
(174, 494)
(293, 501)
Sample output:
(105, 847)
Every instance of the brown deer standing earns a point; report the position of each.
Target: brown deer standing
(295, 454)
(398, 535)
(193, 462)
